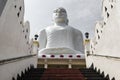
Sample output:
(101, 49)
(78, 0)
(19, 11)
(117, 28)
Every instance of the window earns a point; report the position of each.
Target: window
(15, 6)
(18, 14)
(98, 37)
(111, 6)
(52, 55)
(97, 31)
(43, 55)
(61, 56)
(78, 56)
(105, 9)
(108, 15)
(25, 36)
(20, 8)
(70, 56)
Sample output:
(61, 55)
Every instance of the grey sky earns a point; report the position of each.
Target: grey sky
(82, 14)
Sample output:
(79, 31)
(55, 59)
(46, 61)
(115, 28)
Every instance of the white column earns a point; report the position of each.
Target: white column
(87, 46)
(45, 66)
(35, 47)
(69, 66)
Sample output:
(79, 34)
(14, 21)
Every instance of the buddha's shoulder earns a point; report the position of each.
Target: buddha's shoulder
(50, 27)
(55, 28)
(75, 30)
(46, 28)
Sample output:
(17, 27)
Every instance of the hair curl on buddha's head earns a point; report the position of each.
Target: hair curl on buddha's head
(60, 9)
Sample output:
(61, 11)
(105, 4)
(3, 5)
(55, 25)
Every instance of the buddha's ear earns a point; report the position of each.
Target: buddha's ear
(67, 21)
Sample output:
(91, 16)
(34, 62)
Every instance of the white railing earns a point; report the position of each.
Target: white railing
(106, 56)
(11, 60)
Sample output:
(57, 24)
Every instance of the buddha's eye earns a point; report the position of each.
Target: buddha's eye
(63, 11)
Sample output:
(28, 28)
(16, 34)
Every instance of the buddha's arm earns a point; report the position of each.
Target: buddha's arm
(42, 39)
(79, 41)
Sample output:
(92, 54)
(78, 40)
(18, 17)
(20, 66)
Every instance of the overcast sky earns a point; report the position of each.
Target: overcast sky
(82, 14)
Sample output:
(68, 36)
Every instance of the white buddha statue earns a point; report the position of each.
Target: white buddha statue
(60, 38)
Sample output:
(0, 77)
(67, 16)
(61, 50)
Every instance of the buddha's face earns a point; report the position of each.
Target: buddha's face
(60, 16)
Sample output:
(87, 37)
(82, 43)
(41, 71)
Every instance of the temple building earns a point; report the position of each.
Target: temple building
(59, 51)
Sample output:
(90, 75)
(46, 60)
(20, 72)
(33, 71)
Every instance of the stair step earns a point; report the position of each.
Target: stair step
(62, 74)
(92, 75)
(95, 78)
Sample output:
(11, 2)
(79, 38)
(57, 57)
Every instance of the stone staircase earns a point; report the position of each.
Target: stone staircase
(60, 74)
(91, 74)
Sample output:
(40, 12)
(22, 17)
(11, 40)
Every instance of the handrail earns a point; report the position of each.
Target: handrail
(6, 61)
(103, 56)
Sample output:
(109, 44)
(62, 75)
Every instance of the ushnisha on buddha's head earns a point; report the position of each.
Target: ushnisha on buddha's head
(60, 16)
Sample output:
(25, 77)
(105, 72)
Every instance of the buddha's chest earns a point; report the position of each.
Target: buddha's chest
(61, 36)
(59, 33)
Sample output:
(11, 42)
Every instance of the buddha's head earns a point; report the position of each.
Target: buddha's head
(60, 16)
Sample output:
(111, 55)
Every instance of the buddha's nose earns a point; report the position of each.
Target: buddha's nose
(59, 14)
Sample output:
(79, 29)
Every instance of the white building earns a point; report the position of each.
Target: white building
(15, 48)
(105, 56)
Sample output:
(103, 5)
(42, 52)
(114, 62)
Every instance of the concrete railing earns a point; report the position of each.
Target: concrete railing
(11, 60)
(106, 56)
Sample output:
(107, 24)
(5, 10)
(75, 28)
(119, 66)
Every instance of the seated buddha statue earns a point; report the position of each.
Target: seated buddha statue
(60, 38)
